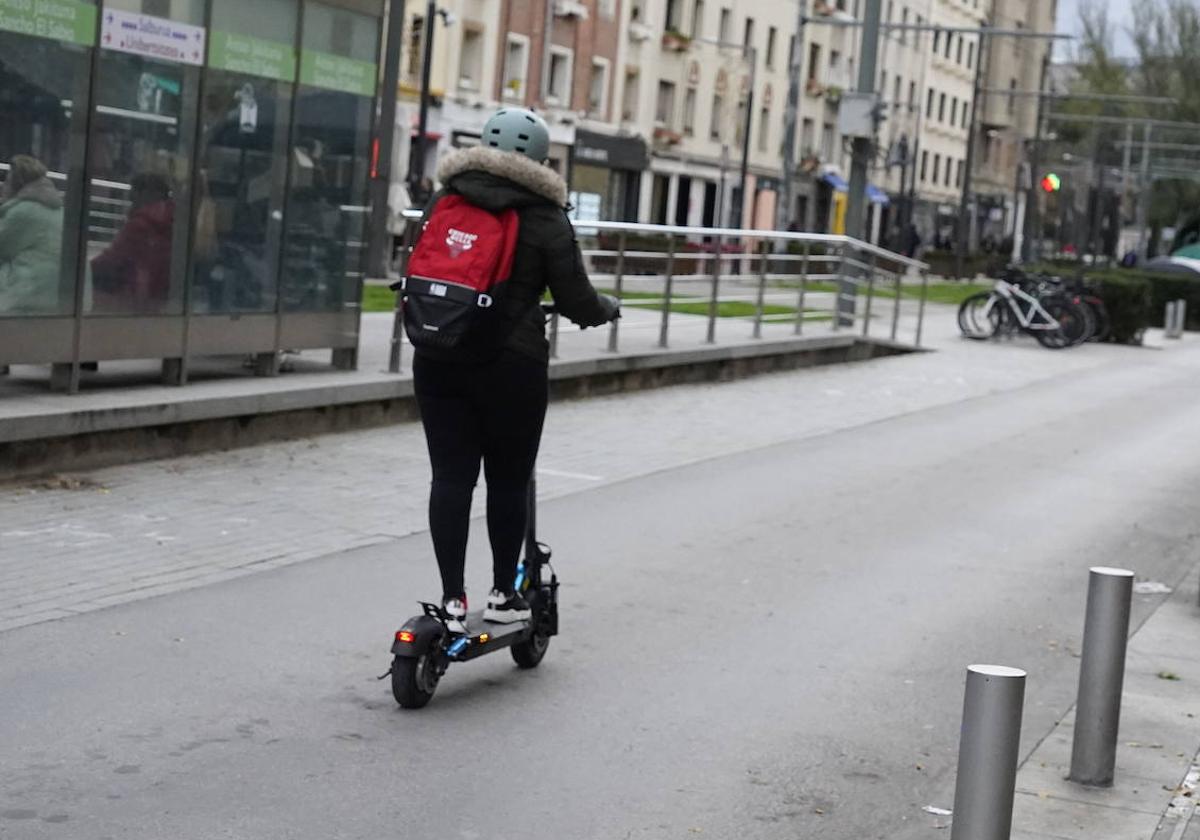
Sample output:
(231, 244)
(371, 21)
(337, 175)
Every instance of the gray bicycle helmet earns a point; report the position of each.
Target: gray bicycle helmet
(518, 130)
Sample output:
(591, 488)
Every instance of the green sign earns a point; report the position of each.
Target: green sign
(252, 56)
(61, 20)
(334, 72)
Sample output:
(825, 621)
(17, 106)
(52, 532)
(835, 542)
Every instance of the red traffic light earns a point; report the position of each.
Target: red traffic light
(1051, 183)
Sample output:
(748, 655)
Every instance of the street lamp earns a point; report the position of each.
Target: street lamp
(416, 163)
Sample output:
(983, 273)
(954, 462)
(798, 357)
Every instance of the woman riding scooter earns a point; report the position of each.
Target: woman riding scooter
(485, 401)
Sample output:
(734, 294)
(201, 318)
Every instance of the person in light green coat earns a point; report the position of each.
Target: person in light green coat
(31, 229)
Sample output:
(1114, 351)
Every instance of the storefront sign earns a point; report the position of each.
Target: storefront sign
(252, 56)
(61, 20)
(609, 151)
(152, 37)
(333, 72)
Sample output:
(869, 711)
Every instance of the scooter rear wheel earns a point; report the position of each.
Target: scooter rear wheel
(414, 679)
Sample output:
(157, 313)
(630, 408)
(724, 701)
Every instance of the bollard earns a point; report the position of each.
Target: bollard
(1180, 317)
(1101, 674)
(1169, 320)
(987, 753)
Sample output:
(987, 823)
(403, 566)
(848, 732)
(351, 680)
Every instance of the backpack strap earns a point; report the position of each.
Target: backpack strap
(449, 291)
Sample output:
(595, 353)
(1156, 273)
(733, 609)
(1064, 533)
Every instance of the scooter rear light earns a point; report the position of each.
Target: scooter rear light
(405, 636)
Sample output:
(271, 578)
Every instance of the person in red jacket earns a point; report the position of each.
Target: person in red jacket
(134, 273)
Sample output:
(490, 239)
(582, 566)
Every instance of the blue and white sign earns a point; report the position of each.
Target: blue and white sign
(152, 37)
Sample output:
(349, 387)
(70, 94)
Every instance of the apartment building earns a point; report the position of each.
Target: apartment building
(1008, 122)
(651, 103)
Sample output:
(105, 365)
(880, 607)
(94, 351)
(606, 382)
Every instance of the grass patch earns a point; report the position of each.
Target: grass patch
(378, 299)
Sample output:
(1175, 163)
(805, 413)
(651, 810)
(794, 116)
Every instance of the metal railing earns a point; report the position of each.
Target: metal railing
(782, 284)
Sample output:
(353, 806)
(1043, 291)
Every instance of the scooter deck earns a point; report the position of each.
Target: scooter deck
(485, 636)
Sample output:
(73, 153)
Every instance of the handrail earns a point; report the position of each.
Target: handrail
(747, 233)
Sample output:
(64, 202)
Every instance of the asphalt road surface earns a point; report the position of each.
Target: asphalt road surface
(770, 644)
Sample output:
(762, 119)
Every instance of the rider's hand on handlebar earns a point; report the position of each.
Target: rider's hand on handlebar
(613, 305)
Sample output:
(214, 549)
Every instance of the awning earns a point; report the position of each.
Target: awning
(874, 194)
(836, 181)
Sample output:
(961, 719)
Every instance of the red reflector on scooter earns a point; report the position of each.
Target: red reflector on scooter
(405, 636)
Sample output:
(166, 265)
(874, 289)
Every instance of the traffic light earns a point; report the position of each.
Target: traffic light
(1051, 183)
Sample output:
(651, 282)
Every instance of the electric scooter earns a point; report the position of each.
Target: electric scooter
(425, 647)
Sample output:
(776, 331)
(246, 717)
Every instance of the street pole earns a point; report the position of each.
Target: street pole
(739, 208)
(1144, 193)
(966, 223)
(860, 162)
(1033, 206)
(787, 199)
(867, 75)
(379, 254)
(1097, 194)
(416, 169)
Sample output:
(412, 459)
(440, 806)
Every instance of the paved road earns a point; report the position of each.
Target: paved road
(766, 643)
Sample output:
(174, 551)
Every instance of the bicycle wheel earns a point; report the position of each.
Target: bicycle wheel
(980, 316)
(1073, 324)
(1103, 320)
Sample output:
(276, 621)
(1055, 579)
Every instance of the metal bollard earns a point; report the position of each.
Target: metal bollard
(1180, 317)
(1101, 675)
(1169, 320)
(987, 753)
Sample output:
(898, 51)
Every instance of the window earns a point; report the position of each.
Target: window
(827, 141)
(883, 83)
(326, 216)
(723, 27)
(937, 37)
(924, 165)
(971, 55)
(814, 62)
(954, 110)
(950, 42)
(959, 55)
(516, 66)
(416, 41)
(896, 93)
(835, 66)
(629, 97)
(698, 19)
(470, 59)
(770, 59)
(689, 111)
(929, 105)
(941, 107)
(236, 250)
(558, 90)
(891, 7)
(808, 137)
(764, 122)
(949, 170)
(1012, 97)
(739, 133)
(904, 22)
(965, 115)
(607, 8)
(598, 88)
(937, 167)
(748, 33)
(664, 106)
(672, 21)
(958, 178)
(140, 160)
(716, 118)
(912, 96)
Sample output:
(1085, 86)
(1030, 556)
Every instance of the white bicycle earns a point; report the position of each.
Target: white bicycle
(1044, 312)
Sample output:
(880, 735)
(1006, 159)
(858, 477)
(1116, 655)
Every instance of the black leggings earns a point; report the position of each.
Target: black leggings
(491, 412)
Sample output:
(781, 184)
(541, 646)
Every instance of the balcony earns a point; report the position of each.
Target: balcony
(570, 9)
(675, 41)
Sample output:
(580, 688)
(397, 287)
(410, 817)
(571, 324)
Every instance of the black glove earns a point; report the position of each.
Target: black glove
(612, 305)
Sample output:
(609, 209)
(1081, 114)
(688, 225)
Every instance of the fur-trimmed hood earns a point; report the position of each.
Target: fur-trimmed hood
(458, 168)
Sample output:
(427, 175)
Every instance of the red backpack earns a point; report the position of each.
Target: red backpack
(462, 255)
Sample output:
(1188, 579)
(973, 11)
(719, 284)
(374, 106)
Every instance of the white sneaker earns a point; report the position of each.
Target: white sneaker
(503, 608)
(456, 614)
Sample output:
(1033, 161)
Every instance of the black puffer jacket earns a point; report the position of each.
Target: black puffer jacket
(547, 255)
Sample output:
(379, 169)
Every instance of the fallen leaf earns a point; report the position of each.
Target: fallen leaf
(1169, 675)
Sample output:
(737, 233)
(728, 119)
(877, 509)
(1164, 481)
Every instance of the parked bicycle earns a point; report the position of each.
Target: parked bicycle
(1037, 306)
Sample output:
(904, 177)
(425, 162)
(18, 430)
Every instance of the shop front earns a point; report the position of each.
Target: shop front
(605, 176)
(198, 170)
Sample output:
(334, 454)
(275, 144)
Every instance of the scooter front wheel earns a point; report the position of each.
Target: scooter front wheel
(529, 654)
(414, 679)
